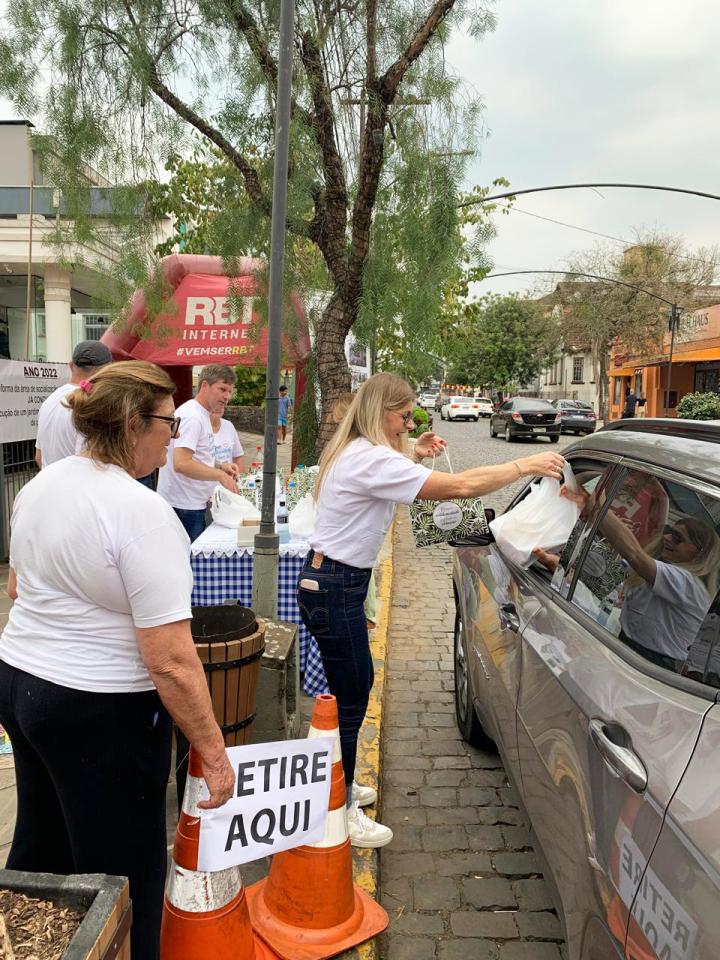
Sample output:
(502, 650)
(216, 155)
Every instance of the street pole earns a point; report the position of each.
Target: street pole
(674, 322)
(28, 298)
(267, 541)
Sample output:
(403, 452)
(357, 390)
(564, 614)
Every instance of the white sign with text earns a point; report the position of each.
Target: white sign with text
(24, 385)
(280, 801)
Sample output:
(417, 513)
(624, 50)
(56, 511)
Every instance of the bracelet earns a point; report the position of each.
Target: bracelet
(517, 467)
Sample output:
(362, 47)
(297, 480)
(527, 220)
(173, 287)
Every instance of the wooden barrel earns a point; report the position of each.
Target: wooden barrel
(230, 641)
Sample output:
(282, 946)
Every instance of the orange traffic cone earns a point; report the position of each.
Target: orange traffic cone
(308, 907)
(205, 915)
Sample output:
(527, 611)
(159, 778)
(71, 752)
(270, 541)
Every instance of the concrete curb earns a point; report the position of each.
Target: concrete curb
(365, 862)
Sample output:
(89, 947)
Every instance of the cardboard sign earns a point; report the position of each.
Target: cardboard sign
(280, 802)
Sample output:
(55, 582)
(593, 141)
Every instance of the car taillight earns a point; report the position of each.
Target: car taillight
(517, 416)
(476, 406)
(454, 406)
(591, 415)
(557, 418)
(564, 413)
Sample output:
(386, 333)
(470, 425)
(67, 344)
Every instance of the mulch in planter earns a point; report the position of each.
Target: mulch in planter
(38, 929)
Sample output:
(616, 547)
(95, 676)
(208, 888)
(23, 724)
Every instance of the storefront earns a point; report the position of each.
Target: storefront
(695, 367)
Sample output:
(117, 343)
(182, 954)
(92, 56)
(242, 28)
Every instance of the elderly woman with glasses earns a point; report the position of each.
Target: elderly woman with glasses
(364, 473)
(97, 658)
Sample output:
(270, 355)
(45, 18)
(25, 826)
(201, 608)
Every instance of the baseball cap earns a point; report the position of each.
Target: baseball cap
(91, 353)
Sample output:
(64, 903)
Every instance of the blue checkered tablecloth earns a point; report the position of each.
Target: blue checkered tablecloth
(222, 572)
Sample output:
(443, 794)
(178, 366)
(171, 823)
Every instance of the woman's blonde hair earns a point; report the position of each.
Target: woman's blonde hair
(118, 396)
(365, 417)
(706, 566)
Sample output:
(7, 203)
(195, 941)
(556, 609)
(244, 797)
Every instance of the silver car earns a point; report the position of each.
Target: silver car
(596, 671)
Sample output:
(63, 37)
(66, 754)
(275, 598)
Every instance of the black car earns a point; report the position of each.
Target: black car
(526, 417)
(575, 416)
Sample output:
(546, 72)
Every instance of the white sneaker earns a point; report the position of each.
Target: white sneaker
(363, 796)
(365, 832)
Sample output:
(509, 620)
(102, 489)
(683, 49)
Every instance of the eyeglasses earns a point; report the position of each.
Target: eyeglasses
(407, 418)
(677, 538)
(173, 421)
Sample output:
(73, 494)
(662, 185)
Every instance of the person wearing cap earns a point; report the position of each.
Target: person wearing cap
(56, 436)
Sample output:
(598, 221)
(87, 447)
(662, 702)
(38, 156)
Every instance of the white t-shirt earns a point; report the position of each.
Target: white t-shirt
(96, 554)
(56, 435)
(667, 616)
(195, 434)
(226, 443)
(357, 501)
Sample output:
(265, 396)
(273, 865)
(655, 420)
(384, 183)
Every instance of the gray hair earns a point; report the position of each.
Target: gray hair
(217, 373)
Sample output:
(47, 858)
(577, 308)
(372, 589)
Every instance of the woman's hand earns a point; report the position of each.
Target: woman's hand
(220, 779)
(580, 497)
(549, 560)
(542, 465)
(429, 444)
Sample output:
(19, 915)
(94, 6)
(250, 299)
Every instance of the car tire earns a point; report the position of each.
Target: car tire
(554, 437)
(476, 419)
(467, 721)
(509, 437)
(492, 432)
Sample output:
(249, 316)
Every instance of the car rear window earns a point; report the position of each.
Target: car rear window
(528, 403)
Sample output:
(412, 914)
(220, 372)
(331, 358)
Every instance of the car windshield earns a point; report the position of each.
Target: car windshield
(459, 400)
(529, 403)
(583, 404)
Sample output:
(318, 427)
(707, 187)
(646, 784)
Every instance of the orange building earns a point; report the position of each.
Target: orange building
(695, 367)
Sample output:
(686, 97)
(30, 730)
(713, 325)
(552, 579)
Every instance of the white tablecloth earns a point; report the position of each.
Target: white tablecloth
(220, 541)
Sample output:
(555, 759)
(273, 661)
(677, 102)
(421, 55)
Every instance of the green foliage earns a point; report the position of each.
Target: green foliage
(249, 387)
(421, 418)
(699, 406)
(507, 341)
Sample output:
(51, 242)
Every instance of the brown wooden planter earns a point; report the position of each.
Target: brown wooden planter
(104, 933)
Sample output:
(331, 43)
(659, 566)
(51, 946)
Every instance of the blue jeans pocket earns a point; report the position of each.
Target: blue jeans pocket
(314, 610)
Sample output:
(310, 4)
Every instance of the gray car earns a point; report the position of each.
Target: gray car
(596, 671)
(575, 416)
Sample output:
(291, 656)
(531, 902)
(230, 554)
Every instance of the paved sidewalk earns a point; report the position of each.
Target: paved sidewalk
(460, 879)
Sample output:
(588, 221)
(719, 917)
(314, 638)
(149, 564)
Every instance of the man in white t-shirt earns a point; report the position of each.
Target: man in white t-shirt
(190, 475)
(56, 436)
(228, 448)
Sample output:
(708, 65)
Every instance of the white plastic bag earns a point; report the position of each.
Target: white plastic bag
(301, 520)
(542, 519)
(230, 509)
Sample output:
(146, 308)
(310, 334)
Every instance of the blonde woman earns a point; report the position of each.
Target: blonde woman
(364, 473)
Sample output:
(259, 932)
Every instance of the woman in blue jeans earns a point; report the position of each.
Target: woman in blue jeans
(364, 473)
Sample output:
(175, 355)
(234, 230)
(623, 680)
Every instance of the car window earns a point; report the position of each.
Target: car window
(531, 404)
(651, 572)
(508, 405)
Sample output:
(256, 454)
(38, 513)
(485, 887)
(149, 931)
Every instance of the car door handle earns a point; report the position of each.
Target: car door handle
(512, 620)
(622, 760)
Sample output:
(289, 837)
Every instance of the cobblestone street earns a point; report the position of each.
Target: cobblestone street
(460, 879)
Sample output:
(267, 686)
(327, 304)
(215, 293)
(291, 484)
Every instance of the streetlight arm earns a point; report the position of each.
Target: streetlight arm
(582, 186)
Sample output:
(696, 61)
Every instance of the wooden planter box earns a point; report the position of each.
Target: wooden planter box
(104, 933)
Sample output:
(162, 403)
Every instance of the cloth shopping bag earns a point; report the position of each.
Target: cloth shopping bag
(542, 519)
(438, 521)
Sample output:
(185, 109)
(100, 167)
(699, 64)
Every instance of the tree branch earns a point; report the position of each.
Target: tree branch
(393, 76)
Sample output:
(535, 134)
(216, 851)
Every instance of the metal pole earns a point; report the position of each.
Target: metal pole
(266, 562)
(674, 321)
(29, 278)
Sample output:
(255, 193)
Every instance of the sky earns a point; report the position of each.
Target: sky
(596, 91)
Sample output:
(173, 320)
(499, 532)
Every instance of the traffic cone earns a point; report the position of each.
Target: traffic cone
(308, 908)
(205, 915)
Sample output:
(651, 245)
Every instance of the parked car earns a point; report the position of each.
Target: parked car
(486, 406)
(576, 416)
(460, 408)
(598, 681)
(526, 417)
(426, 401)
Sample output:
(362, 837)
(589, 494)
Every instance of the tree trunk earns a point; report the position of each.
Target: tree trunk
(332, 367)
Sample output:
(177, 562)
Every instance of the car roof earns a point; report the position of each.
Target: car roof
(690, 447)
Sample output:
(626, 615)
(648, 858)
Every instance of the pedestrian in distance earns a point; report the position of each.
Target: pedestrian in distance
(191, 474)
(630, 403)
(364, 472)
(97, 658)
(284, 405)
(56, 435)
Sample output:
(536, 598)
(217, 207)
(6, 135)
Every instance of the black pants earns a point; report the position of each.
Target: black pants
(334, 615)
(91, 771)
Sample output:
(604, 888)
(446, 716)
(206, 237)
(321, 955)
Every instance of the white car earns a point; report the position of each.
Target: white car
(427, 401)
(486, 406)
(460, 408)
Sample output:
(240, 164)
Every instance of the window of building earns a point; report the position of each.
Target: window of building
(578, 371)
(617, 390)
(651, 573)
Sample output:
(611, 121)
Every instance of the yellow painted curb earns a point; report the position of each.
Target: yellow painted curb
(365, 862)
